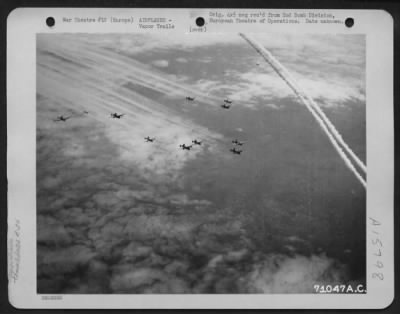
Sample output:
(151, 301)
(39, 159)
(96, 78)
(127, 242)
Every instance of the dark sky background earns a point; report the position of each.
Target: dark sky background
(119, 215)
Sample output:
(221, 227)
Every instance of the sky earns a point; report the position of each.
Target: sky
(117, 214)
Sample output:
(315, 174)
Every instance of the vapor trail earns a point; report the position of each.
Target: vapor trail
(322, 115)
(121, 66)
(314, 109)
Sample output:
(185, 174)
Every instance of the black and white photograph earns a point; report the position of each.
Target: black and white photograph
(210, 164)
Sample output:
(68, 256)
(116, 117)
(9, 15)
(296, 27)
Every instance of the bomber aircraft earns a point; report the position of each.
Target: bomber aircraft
(116, 115)
(236, 142)
(62, 118)
(235, 151)
(185, 147)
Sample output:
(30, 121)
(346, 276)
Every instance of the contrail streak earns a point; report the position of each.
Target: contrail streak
(314, 109)
(322, 115)
(119, 65)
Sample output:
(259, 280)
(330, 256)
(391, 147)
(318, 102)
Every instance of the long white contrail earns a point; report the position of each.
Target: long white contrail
(322, 115)
(314, 109)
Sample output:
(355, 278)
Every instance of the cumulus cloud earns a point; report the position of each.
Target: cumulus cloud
(273, 106)
(298, 274)
(161, 63)
(331, 89)
(332, 70)
(181, 60)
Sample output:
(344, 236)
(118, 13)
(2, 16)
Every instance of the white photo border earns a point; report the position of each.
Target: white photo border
(24, 24)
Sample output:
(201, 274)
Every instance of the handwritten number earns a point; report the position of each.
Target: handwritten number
(377, 276)
(374, 222)
(377, 241)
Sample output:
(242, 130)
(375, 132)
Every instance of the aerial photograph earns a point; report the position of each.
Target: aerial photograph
(200, 163)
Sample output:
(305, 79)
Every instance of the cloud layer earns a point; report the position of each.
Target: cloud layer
(104, 228)
(114, 214)
(330, 67)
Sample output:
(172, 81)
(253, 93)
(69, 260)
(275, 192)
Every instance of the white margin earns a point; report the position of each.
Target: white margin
(22, 26)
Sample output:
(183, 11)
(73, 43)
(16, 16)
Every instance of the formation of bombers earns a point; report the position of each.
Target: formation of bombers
(226, 105)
